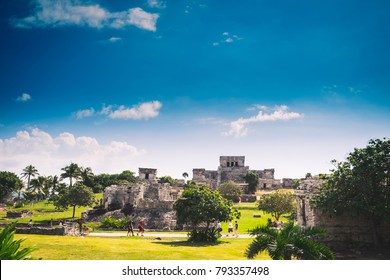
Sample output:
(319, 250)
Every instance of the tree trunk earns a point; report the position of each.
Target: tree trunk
(74, 211)
(374, 231)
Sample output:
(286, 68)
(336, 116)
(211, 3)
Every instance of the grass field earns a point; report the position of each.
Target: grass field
(133, 248)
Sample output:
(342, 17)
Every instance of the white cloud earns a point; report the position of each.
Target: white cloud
(142, 19)
(215, 44)
(49, 13)
(85, 113)
(239, 128)
(51, 153)
(115, 39)
(225, 33)
(24, 97)
(229, 40)
(157, 4)
(145, 111)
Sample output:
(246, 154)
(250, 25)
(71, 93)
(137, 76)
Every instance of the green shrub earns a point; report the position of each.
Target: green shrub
(10, 248)
(111, 222)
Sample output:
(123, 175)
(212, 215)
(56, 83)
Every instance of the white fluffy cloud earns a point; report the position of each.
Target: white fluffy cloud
(142, 19)
(49, 13)
(51, 153)
(143, 111)
(24, 97)
(146, 110)
(239, 128)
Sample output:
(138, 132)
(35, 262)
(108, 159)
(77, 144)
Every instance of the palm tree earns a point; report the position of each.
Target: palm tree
(289, 242)
(185, 175)
(29, 171)
(71, 171)
(87, 176)
(38, 187)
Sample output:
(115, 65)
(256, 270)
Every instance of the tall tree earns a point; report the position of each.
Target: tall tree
(359, 186)
(71, 171)
(252, 179)
(185, 175)
(38, 187)
(289, 242)
(87, 176)
(28, 172)
(75, 195)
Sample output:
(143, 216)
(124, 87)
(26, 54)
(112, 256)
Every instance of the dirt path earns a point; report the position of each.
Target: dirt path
(156, 234)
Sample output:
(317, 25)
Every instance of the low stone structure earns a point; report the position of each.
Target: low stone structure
(344, 232)
(69, 228)
(19, 214)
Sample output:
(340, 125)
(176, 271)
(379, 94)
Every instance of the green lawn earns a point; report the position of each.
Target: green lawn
(43, 212)
(133, 248)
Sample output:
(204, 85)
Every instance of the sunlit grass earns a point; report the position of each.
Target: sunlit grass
(133, 248)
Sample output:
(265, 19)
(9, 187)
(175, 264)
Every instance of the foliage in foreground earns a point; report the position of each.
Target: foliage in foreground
(288, 243)
(360, 186)
(10, 248)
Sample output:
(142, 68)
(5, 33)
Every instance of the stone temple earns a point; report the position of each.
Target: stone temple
(232, 168)
(148, 200)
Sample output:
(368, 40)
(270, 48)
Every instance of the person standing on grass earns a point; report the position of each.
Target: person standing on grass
(230, 228)
(130, 228)
(236, 229)
(141, 227)
(219, 228)
(81, 222)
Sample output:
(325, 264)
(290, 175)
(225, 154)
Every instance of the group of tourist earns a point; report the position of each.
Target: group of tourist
(231, 229)
(141, 228)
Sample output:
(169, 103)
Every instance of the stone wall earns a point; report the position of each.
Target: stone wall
(19, 214)
(344, 232)
(69, 228)
(150, 201)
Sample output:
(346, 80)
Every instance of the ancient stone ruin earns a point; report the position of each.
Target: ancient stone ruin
(148, 200)
(232, 168)
(345, 234)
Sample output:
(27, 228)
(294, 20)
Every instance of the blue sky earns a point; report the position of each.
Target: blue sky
(172, 85)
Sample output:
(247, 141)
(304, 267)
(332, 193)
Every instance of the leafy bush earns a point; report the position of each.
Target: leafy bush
(111, 222)
(10, 248)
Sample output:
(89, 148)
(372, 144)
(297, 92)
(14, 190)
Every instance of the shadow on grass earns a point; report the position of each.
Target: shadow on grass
(190, 244)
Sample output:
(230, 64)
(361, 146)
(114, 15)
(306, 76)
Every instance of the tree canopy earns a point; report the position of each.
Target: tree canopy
(277, 203)
(252, 179)
(200, 207)
(9, 182)
(76, 195)
(359, 186)
(230, 190)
